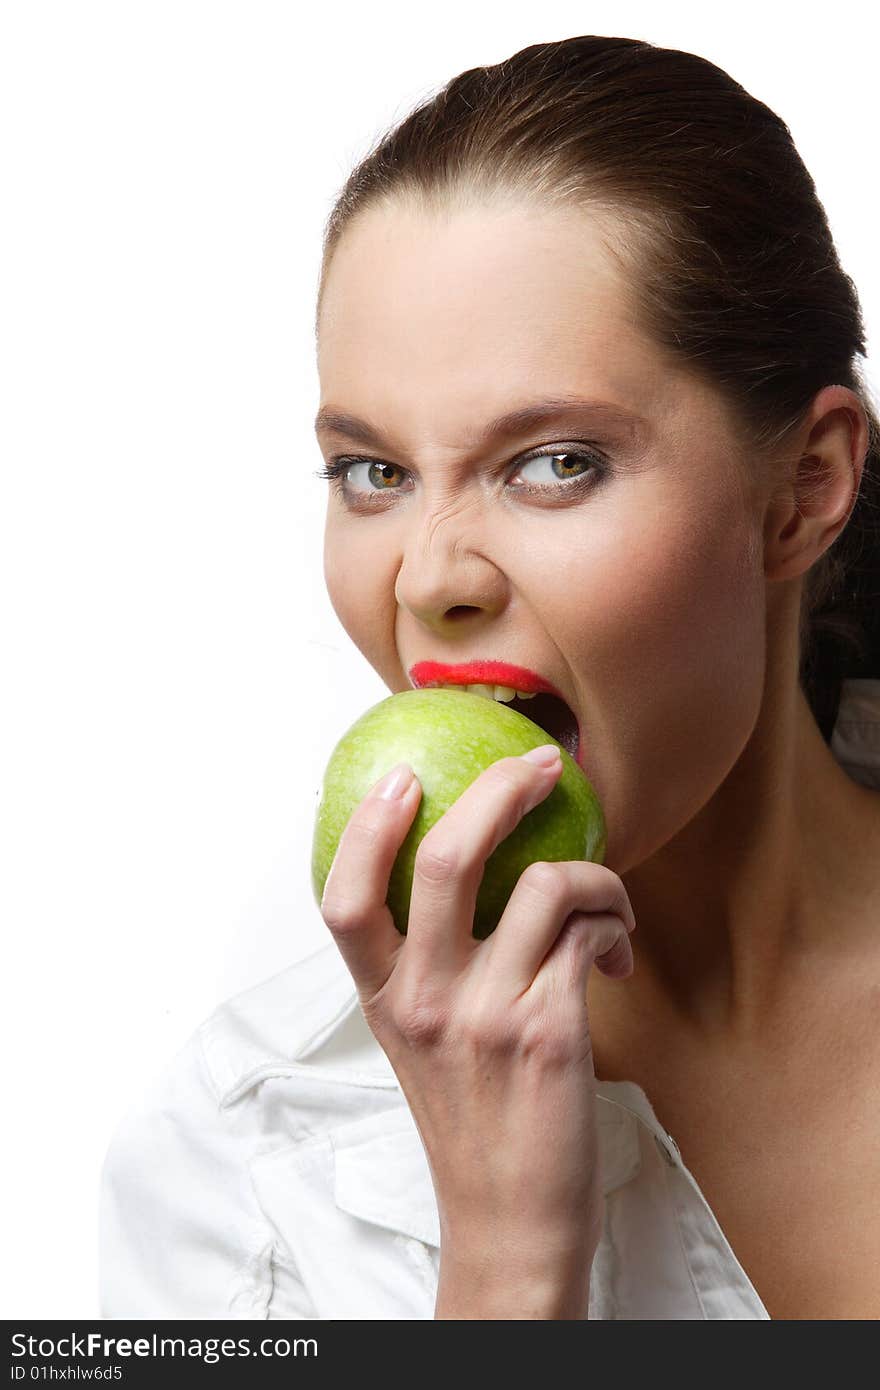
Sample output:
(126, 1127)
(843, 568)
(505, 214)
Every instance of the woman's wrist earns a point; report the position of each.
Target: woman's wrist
(487, 1286)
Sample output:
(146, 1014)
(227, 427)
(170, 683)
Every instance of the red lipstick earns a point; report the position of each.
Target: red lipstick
(425, 673)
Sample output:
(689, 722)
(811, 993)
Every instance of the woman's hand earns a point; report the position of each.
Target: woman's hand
(490, 1040)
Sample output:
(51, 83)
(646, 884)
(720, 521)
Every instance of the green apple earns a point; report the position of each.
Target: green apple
(449, 737)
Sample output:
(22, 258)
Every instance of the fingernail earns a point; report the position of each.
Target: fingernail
(395, 782)
(545, 756)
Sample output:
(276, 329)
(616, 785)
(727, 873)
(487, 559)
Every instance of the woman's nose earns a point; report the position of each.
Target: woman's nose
(441, 585)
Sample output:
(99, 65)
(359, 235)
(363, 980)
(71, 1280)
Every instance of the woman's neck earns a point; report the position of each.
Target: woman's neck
(772, 882)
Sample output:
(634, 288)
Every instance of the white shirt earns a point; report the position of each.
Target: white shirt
(274, 1170)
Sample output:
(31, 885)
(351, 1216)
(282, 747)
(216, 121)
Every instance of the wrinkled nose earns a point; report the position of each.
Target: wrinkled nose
(445, 585)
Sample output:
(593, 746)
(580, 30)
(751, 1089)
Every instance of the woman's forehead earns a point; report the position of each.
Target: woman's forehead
(513, 267)
(439, 326)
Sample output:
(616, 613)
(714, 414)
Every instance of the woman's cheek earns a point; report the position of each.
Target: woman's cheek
(360, 585)
(677, 664)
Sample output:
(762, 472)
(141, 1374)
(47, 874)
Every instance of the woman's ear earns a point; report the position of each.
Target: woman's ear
(807, 512)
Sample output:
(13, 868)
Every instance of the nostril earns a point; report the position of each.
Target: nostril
(460, 611)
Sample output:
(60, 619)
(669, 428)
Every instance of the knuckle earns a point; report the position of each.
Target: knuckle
(557, 1051)
(544, 879)
(436, 863)
(548, 1039)
(419, 1020)
(485, 1030)
(342, 916)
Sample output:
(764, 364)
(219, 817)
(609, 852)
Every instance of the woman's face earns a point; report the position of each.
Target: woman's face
(632, 582)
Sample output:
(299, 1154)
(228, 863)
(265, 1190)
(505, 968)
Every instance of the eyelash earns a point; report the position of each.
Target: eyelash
(337, 466)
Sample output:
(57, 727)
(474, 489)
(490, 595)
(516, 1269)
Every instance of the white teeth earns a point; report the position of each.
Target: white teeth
(504, 693)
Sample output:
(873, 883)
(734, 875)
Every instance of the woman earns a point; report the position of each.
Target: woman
(591, 406)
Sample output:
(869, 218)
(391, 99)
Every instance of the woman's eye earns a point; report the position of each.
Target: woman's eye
(380, 476)
(557, 472)
(564, 464)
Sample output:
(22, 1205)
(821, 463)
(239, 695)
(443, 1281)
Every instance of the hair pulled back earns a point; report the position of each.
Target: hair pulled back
(727, 249)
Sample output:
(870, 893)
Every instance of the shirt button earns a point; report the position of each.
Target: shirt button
(666, 1152)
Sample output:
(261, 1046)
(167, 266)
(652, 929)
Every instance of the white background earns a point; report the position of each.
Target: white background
(173, 676)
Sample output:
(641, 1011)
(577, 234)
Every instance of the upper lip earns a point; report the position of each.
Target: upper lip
(481, 673)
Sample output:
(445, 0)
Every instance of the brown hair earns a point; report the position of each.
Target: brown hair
(727, 249)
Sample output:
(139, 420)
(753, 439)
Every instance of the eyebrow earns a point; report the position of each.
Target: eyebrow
(515, 422)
